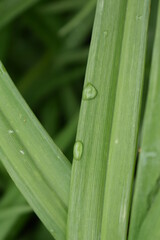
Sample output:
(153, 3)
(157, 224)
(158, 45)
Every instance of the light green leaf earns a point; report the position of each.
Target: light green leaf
(145, 220)
(12, 207)
(37, 166)
(123, 145)
(94, 127)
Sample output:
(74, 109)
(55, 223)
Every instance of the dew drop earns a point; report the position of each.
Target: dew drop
(22, 152)
(89, 92)
(139, 17)
(10, 131)
(105, 33)
(78, 150)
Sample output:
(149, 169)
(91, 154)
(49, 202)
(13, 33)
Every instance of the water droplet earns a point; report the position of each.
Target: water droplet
(22, 152)
(105, 33)
(116, 141)
(78, 150)
(10, 131)
(139, 17)
(89, 92)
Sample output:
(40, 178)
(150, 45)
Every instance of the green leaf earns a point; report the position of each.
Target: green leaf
(65, 137)
(12, 208)
(37, 166)
(86, 10)
(94, 127)
(10, 9)
(60, 6)
(145, 221)
(12, 211)
(123, 145)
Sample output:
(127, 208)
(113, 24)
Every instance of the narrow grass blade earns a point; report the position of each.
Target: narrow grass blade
(15, 210)
(123, 145)
(145, 219)
(37, 166)
(13, 197)
(66, 136)
(89, 7)
(150, 41)
(49, 87)
(94, 127)
(80, 34)
(50, 117)
(9, 215)
(60, 7)
(11, 9)
(44, 27)
(41, 74)
(31, 78)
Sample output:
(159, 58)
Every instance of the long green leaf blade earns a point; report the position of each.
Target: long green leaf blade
(88, 174)
(78, 18)
(145, 220)
(60, 6)
(11, 9)
(37, 166)
(123, 146)
(9, 215)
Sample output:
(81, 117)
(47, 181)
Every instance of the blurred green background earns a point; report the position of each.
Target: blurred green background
(44, 47)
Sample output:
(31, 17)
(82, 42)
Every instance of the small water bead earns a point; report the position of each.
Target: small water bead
(78, 150)
(22, 152)
(139, 17)
(89, 92)
(105, 33)
(10, 131)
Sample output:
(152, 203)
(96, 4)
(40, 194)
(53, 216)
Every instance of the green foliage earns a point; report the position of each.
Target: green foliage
(110, 191)
(123, 145)
(95, 121)
(144, 217)
(37, 166)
